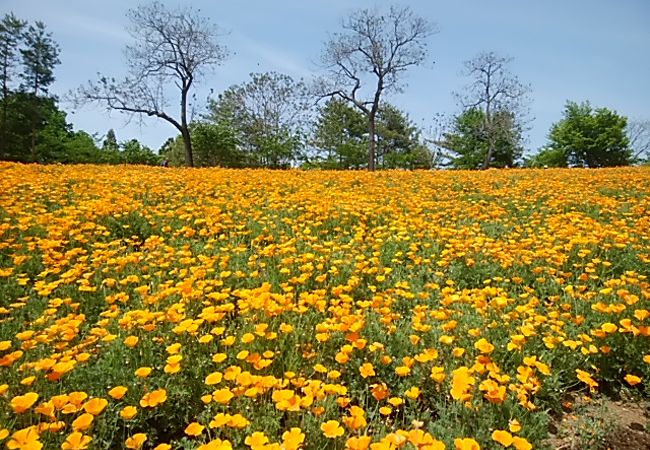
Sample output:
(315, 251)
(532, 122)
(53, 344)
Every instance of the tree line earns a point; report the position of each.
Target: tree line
(340, 120)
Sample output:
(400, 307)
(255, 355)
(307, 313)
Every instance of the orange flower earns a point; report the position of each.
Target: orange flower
(154, 398)
(413, 392)
(216, 444)
(131, 341)
(163, 447)
(136, 441)
(466, 444)
(502, 437)
(222, 396)
(292, 439)
(22, 403)
(358, 443)
(194, 429)
(128, 412)
(484, 346)
(257, 439)
(95, 406)
(83, 422)
(462, 383)
(521, 443)
(118, 392)
(214, 378)
(76, 441)
(632, 380)
(25, 439)
(585, 377)
(332, 429)
(143, 372)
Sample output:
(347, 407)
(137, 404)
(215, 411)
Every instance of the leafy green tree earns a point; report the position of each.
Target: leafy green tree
(267, 114)
(340, 135)
(469, 144)
(589, 137)
(110, 141)
(110, 150)
(216, 144)
(80, 148)
(398, 141)
(27, 116)
(135, 153)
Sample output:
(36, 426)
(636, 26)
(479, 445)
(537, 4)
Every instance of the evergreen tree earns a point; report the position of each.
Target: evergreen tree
(11, 35)
(40, 55)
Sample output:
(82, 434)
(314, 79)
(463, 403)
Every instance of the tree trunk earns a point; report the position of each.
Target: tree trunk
(185, 130)
(5, 106)
(371, 144)
(187, 143)
(488, 157)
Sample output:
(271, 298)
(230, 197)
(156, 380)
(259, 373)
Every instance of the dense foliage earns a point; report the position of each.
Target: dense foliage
(217, 309)
(588, 137)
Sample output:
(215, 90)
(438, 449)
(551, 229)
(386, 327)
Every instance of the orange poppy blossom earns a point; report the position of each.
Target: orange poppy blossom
(308, 294)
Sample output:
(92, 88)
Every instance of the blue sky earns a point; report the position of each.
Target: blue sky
(594, 50)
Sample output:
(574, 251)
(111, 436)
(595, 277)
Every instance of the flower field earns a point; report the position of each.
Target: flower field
(213, 309)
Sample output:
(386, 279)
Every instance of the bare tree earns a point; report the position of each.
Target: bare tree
(638, 132)
(171, 47)
(496, 92)
(374, 50)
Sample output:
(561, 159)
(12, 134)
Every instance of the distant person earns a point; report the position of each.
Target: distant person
(165, 163)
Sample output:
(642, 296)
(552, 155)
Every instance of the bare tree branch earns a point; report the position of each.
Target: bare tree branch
(498, 93)
(638, 132)
(174, 47)
(373, 51)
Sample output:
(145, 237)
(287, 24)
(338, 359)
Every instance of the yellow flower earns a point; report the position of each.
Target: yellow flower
(214, 378)
(136, 441)
(118, 392)
(95, 406)
(632, 380)
(22, 403)
(367, 370)
(143, 372)
(502, 437)
(154, 398)
(521, 443)
(358, 443)
(413, 392)
(293, 439)
(25, 439)
(484, 346)
(466, 444)
(332, 429)
(83, 422)
(514, 426)
(131, 341)
(76, 441)
(194, 429)
(257, 439)
(128, 412)
(216, 444)
(222, 396)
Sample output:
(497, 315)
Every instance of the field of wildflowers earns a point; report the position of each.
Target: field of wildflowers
(213, 309)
